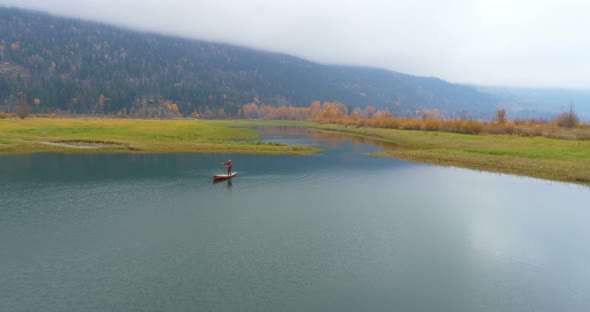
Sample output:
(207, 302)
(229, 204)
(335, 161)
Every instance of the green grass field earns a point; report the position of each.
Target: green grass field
(553, 159)
(126, 135)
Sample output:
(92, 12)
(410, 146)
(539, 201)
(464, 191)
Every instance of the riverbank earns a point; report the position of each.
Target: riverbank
(552, 159)
(76, 135)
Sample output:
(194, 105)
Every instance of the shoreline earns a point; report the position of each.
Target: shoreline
(545, 158)
(539, 157)
(77, 135)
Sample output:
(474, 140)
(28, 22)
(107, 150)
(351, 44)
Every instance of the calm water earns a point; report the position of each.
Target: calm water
(340, 231)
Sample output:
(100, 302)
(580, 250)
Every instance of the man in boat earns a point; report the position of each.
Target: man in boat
(228, 165)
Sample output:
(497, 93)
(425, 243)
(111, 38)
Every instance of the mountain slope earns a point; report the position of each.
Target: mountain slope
(68, 64)
(542, 103)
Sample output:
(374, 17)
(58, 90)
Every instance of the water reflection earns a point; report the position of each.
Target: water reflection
(329, 139)
(227, 182)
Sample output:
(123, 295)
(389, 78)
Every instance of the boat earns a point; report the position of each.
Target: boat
(219, 177)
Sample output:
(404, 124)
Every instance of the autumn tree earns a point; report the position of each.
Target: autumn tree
(315, 109)
(369, 111)
(221, 113)
(382, 114)
(122, 112)
(304, 113)
(266, 111)
(100, 106)
(282, 113)
(250, 111)
(332, 111)
(208, 113)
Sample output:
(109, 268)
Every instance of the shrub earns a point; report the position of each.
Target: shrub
(470, 126)
(448, 125)
(567, 119)
(411, 124)
(508, 127)
(432, 125)
(391, 123)
(473, 126)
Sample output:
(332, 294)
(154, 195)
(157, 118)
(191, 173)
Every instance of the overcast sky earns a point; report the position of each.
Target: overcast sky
(533, 43)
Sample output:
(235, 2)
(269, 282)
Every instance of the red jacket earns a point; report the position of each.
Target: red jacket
(228, 165)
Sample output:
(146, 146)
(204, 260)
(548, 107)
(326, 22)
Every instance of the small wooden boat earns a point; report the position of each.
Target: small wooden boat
(219, 177)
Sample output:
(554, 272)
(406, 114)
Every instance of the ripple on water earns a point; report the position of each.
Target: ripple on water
(301, 178)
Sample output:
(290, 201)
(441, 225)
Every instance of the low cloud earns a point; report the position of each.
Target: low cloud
(494, 42)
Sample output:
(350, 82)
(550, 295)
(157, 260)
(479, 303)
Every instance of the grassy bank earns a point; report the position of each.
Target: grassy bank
(553, 159)
(124, 135)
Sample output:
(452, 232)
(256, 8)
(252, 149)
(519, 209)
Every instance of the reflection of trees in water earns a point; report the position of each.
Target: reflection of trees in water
(284, 130)
(331, 139)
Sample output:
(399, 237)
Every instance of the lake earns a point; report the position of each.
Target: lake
(338, 231)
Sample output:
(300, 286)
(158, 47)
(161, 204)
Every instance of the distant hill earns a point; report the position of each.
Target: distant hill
(542, 103)
(67, 64)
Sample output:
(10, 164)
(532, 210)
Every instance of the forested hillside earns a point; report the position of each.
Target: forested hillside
(73, 66)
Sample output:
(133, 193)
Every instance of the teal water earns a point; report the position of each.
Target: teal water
(339, 231)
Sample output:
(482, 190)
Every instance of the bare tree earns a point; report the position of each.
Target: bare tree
(501, 115)
(567, 119)
(22, 108)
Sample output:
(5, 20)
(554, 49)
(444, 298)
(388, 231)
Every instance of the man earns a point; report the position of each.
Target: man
(228, 165)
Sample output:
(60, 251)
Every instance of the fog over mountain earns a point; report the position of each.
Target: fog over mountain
(524, 43)
(83, 67)
(59, 59)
